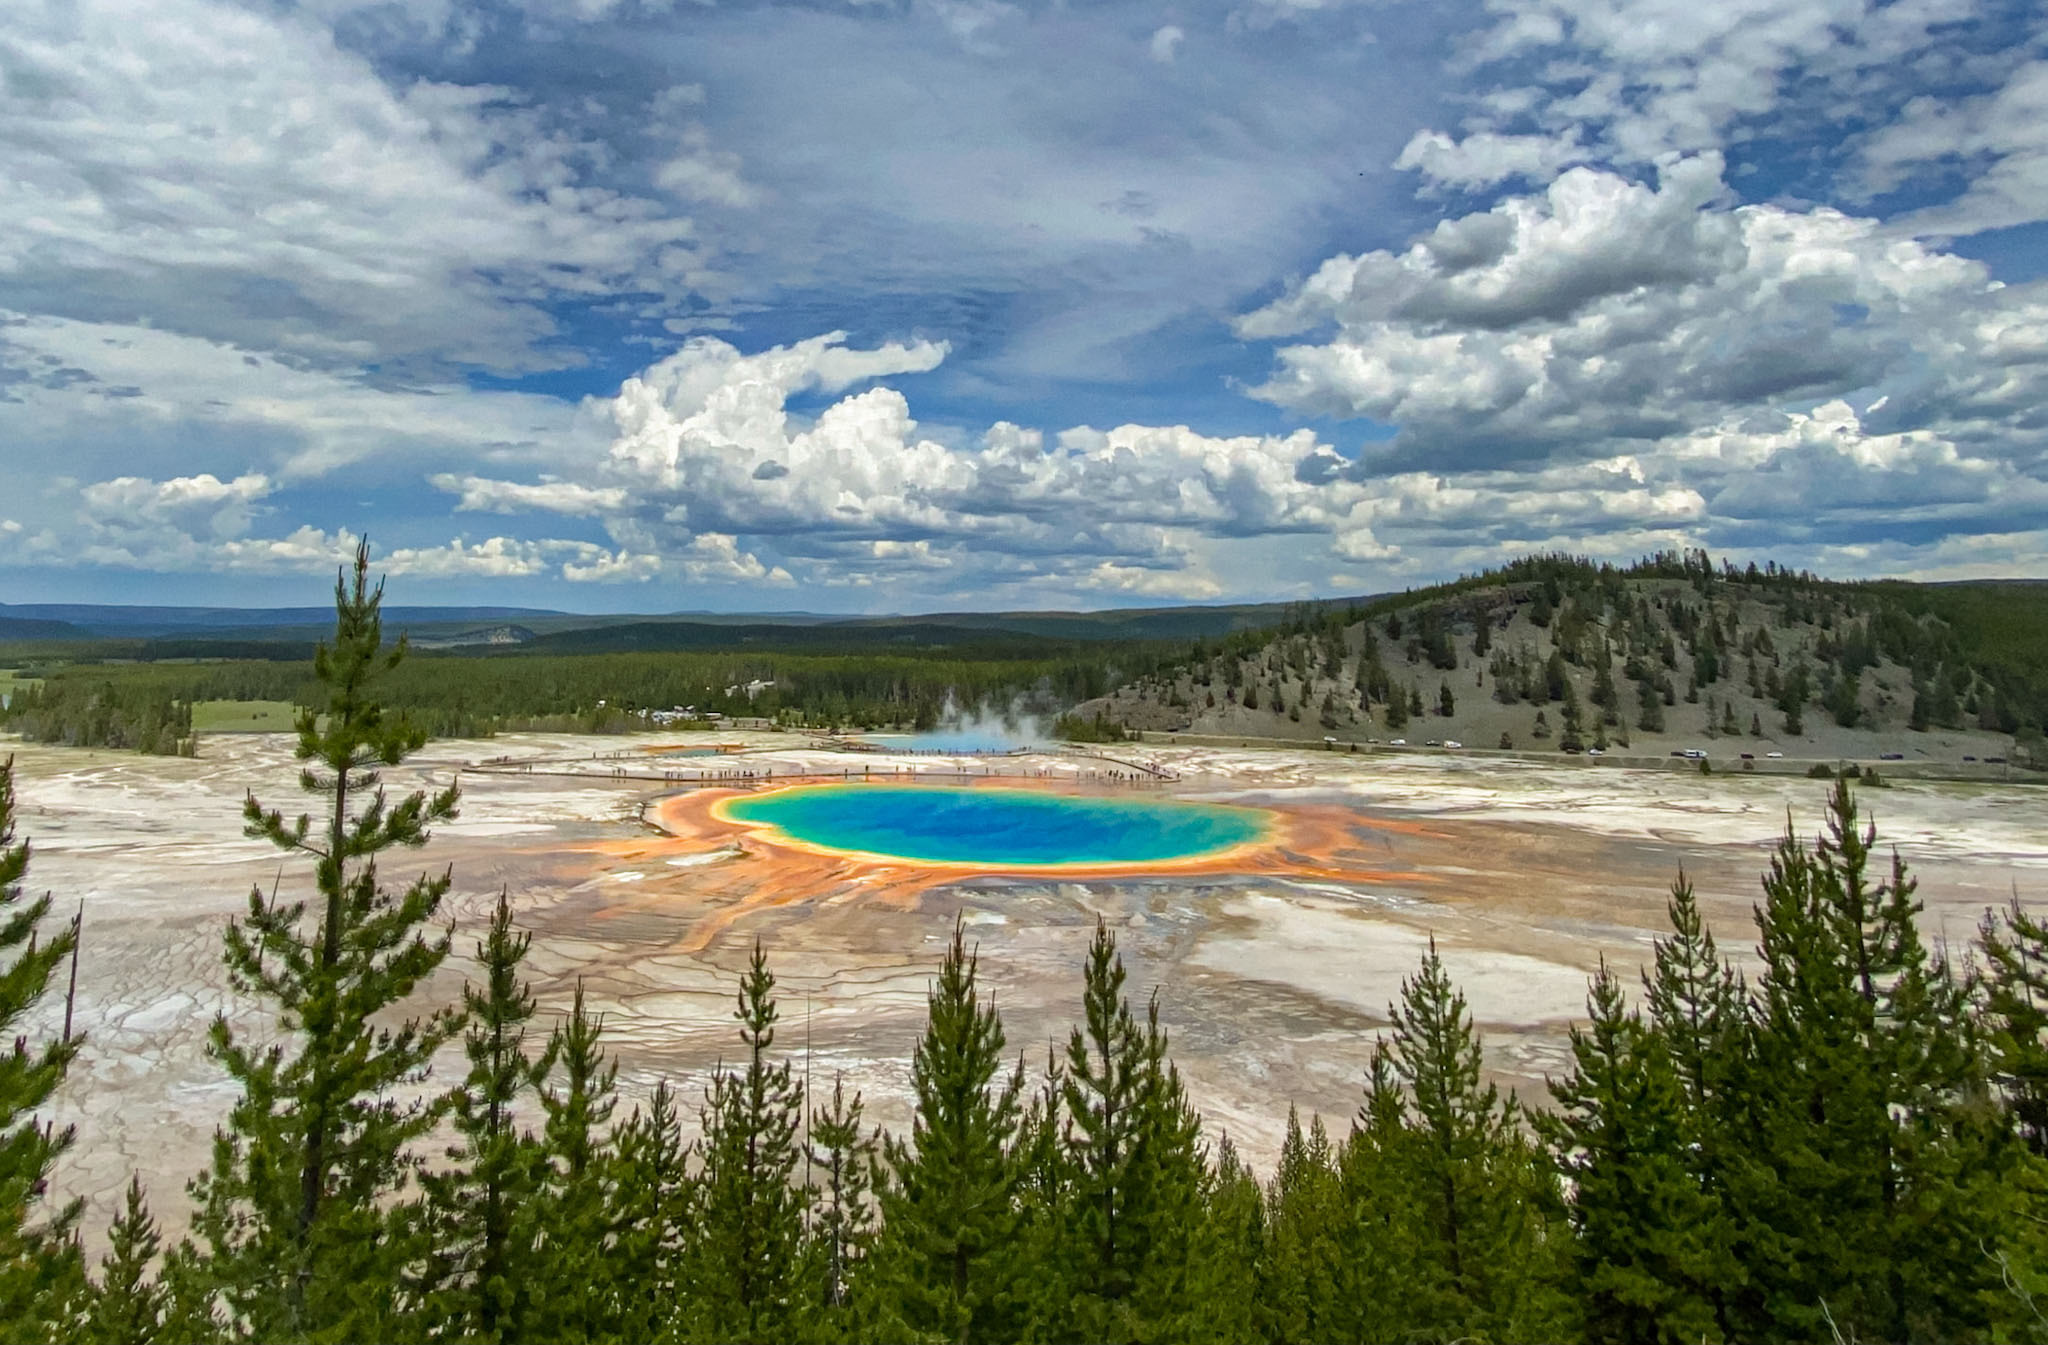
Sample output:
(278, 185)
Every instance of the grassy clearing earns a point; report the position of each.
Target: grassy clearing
(243, 716)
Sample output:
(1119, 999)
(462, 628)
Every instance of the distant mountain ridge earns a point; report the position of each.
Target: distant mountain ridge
(68, 620)
(185, 630)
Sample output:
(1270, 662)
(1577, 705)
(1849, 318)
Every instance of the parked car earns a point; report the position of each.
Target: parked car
(1891, 756)
(1432, 743)
(1774, 755)
(1596, 751)
(1397, 742)
(1452, 742)
(1749, 756)
(1695, 754)
(1969, 758)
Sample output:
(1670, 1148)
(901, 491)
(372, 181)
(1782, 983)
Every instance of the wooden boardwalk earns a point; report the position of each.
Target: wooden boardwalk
(747, 768)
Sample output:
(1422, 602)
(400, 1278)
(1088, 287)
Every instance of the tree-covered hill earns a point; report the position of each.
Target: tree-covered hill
(1546, 653)
(1561, 652)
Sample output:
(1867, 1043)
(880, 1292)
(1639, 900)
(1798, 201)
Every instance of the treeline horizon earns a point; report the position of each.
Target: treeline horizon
(1851, 1142)
(1974, 653)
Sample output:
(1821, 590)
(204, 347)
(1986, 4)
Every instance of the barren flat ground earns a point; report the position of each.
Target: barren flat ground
(1273, 974)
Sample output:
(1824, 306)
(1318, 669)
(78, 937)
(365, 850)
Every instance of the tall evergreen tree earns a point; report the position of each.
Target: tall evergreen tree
(571, 1293)
(1696, 1011)
(478, 1208)
(1604, 694)
(2016, 1017)
(1224, 1276)
(1042, 1193)
(129, 1304)
(1301, 1255)
(295, 1209)
(946, 1259)
(843, 1221)
(41, 1274)
(1132, 1152)
(1488, 1247)
(653, 1209)
(1386, 1280)
(1643, 1252)
(1649, 707)
(1863, 1179)
(745, 1279)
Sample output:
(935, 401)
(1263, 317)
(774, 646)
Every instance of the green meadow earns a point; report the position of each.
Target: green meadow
(241, 716)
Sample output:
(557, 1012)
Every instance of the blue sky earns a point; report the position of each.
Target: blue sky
(916, 304)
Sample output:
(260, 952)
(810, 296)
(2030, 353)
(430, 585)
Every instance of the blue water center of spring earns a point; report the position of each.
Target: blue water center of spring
(1002, 827)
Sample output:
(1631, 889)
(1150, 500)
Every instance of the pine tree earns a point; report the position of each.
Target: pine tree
(1842, 701)
(1942, 706)
(478, 1209)
(2016, 1017)
(1385, 1282)
(1572, 719)
(1132, 1155)
(1643, 1256)
(1863, 1174)
(1446, 703)
(1557, 678)
(843, 1228)
(1694, 1002)
(1043, 1193)
(1696, 1012)
(1604, 694)
(295, 1212)
(946, 1256)
(128, 1306)
(1298, 1297)
(1649, 708)
(41, 1275)
(746, 1278)
(1485, 1234)
(569, 1287)
(1792, 699)
(653, 1200)
(1223, 1283)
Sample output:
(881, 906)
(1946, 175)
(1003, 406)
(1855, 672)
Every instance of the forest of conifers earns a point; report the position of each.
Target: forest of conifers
(455, 695)
(1848, 1141)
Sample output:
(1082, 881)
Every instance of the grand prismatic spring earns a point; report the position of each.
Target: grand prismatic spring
(995, 828)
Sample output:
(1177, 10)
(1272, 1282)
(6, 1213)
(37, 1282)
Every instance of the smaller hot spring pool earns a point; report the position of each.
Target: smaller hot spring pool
(1006, 828)
(963, 740)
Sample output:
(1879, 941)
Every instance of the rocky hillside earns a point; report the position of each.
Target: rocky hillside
(1559, 653)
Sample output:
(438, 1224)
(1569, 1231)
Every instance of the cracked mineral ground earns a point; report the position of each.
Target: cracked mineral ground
(1273, 969)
